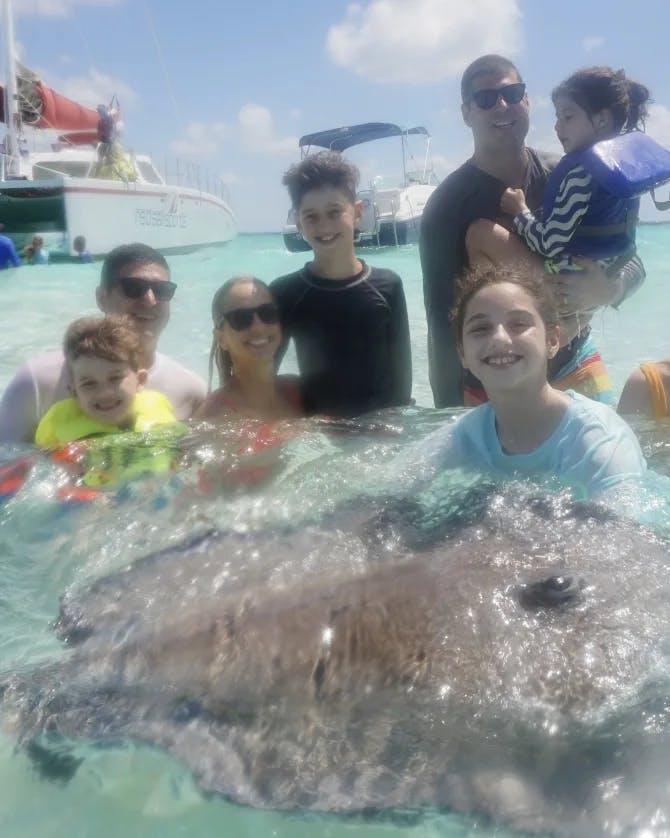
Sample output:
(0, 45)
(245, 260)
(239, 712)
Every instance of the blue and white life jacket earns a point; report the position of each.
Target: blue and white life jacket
(622, 169)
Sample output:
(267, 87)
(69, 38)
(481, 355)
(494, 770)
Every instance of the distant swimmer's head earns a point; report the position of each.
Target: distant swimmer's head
(495, 104)
(507, 326)
(322, 188)
(103, 356)
(247, 329)
(597, 103)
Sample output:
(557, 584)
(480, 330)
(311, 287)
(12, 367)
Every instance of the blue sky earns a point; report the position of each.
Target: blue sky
(234, 84)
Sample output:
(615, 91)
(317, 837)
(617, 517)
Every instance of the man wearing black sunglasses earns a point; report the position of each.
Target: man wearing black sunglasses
(496, 109)
(135, 281)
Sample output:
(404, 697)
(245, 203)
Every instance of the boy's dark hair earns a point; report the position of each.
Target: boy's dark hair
(217, 356)
(530, 279)
(112, 338)
(128, 254)
(595, 89)
(485, 65)
(325, 168)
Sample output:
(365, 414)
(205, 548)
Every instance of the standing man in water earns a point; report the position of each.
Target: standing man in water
(495, 107)
(135, 281)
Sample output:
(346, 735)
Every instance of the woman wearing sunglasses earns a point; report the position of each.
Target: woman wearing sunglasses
(246, 336)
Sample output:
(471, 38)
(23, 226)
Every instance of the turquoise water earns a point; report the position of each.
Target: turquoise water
(138, 791)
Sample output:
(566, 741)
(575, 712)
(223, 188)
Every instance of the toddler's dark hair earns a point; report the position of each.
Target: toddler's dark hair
(596, 88)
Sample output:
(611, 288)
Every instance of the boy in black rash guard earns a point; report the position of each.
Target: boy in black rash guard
(348, 320)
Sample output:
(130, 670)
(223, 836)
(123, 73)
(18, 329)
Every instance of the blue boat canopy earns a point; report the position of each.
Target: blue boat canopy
(339, 139)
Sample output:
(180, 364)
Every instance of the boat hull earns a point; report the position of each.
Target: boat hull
(112, 212)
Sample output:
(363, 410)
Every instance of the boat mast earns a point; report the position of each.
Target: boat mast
(11, 109)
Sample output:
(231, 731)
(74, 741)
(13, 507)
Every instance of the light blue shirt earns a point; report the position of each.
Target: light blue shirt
(591, 450)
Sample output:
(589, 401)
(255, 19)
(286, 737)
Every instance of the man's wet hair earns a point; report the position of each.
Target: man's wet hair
(485, 65)
(129, 254)
(325, 168)
(111, 338)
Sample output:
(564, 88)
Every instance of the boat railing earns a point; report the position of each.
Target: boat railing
(380, 206)
(9, 167)
(179, 172)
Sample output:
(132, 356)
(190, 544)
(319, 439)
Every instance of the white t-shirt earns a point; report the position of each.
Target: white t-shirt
(41, 381)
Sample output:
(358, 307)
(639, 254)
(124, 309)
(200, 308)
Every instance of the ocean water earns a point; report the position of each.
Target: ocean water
(45, 548)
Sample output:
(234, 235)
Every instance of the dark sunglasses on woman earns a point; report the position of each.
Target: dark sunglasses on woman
(134, 288)
(242, 318)
(511, 93)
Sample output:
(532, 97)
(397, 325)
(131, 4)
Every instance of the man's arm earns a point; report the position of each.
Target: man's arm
(594, 287)
(441, 247)
(18, 409)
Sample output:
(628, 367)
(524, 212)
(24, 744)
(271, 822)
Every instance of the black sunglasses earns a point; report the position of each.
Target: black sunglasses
(242, 318)
(134, 287)
(511, 93)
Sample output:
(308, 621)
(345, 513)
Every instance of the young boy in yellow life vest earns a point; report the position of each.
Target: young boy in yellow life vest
(106, 382)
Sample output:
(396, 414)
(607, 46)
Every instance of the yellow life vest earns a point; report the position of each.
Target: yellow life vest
(111, 454)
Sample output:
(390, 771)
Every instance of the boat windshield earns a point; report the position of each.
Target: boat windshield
(71, 168)
(149, 174)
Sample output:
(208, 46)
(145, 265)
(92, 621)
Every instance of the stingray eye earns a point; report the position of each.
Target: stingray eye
(550, 592)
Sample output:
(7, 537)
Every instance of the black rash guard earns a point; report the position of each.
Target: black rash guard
(464, 196)
(351, 337)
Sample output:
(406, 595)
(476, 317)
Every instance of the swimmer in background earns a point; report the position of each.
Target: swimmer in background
(79, 247)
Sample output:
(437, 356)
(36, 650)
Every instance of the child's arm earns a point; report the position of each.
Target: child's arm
(550, 236)
(513, 202)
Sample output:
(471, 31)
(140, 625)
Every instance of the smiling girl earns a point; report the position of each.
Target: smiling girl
(507, 329)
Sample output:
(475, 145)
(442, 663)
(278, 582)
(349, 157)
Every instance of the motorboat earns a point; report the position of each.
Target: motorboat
(392, 205)
(80, 186)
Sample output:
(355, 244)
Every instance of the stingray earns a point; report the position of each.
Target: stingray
(514, 665)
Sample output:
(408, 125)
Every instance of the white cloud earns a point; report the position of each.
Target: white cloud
(423, 40)
(257, 132)
(592, 42)
(658, 124)
(253, 131)
(200, 139)
(57, 8)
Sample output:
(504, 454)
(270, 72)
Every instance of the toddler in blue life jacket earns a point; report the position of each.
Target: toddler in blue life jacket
(591, 199)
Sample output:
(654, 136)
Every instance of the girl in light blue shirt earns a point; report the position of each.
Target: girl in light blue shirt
(506, 324)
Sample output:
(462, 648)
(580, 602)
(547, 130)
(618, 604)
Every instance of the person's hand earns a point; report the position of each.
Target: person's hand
(587, 290)
(513, 201)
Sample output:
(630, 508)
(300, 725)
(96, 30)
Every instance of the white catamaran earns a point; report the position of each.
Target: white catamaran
(79, 187)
